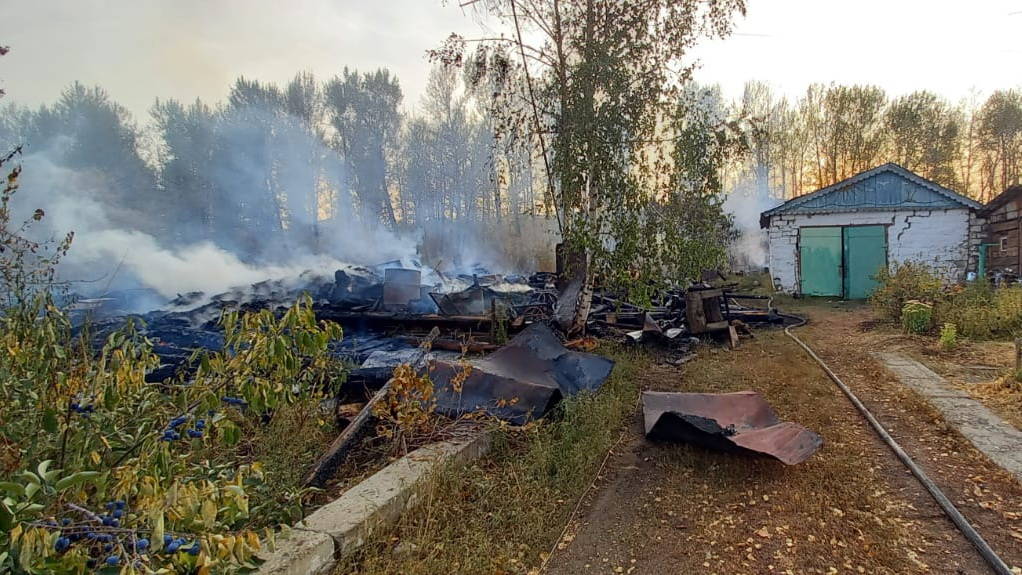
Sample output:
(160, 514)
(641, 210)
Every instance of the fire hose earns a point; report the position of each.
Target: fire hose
(956, 517)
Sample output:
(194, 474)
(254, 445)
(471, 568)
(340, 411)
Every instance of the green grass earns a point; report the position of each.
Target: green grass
(503, 513)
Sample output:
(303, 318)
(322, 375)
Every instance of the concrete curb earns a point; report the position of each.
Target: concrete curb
(341, 526)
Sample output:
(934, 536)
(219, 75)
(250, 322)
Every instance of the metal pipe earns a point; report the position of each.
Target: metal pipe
(963, 525)
(981, 271)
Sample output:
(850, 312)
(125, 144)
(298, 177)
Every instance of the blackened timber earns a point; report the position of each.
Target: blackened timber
(381, 319)
(339, 448)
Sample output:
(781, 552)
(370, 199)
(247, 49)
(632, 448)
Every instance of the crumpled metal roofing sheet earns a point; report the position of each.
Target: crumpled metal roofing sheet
(738, 422)
(522, 380)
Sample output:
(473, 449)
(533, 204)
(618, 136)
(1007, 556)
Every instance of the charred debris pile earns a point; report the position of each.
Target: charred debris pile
(388, 310)
(508, 346)
(530, 331)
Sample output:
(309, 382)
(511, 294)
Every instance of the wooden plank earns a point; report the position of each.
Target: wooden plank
(695, 313)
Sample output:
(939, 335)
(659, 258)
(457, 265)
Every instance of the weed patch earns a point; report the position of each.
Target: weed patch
(978, 310)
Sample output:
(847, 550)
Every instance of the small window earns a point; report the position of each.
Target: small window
(1004, 243)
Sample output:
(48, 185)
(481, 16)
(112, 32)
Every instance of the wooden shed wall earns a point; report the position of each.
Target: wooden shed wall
(1003, 223)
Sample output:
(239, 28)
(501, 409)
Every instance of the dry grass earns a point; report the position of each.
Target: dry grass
(851, 508)
(1003, 396)
(502, 513)
(836, 510)
(983, 369)
(987, 495)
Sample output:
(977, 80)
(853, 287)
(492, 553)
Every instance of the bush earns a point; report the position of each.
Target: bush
(903, 282)
(948, 336)
(981, 311)
(86, 440)
(976, 310)
(916, 317)
(100, 469)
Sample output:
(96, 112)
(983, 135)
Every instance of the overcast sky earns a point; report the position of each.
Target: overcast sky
(143, 49)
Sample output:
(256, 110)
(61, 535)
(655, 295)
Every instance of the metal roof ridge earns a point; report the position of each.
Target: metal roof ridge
(851, 180)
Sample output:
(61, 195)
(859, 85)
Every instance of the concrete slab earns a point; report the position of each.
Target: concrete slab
(380, 499)
(302, 553)
(998, 439)
(341, 526)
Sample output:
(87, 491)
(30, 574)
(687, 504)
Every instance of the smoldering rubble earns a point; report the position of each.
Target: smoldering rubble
(517, 333)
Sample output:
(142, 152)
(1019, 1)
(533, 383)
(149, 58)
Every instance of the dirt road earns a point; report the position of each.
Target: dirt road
(852, 508)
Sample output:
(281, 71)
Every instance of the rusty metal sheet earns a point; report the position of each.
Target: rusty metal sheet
(737, 422)
(522, 380)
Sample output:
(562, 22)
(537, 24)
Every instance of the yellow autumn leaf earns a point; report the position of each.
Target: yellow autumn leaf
(240, 551)
(208, 513)
(156, 520)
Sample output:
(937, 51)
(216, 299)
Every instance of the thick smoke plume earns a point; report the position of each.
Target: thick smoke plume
(110, 253)
(745, 203)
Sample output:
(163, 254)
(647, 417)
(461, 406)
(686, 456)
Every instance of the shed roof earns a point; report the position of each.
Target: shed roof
(1004, 197)
(886, 187)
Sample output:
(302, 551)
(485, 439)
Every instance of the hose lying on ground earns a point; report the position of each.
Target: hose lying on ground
(963, 525)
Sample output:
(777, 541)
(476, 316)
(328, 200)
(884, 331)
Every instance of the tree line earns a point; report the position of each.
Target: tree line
(502, 158)
(277, 167)
(834, 131)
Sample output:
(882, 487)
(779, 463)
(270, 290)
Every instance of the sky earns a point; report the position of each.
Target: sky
(140, 50)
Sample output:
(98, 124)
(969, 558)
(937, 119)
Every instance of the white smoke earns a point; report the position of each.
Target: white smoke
(745, 203)
(105, 255)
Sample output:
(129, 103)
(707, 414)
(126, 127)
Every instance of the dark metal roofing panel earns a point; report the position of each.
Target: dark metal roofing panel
(521, 381)
(887, 187)
(1004, 197)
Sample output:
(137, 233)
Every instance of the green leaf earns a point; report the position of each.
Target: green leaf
(6, 519)
(50, 423)
(77, 478)
(32, 489)
(41, 469)
(11, 487)
(230, 432)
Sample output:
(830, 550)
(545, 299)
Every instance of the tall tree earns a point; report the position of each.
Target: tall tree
(600, 81)
(924, 135)
(89, 133)
(363, 110)
(1000, 139)
(188, 136)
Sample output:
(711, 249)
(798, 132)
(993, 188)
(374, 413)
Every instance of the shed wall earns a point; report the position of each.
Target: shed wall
(1004, 223)
(943, 239)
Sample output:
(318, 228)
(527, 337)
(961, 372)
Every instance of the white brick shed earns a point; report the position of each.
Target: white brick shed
(832, 241)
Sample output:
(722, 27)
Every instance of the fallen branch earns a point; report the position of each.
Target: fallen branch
(339, 448)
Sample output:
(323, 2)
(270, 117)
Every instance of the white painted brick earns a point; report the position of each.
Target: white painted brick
(939, 238)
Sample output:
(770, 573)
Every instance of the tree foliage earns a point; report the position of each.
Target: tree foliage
(603, 83)
(834, 131)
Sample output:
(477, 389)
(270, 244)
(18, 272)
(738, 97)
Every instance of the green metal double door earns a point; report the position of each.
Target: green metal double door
(841, 260)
